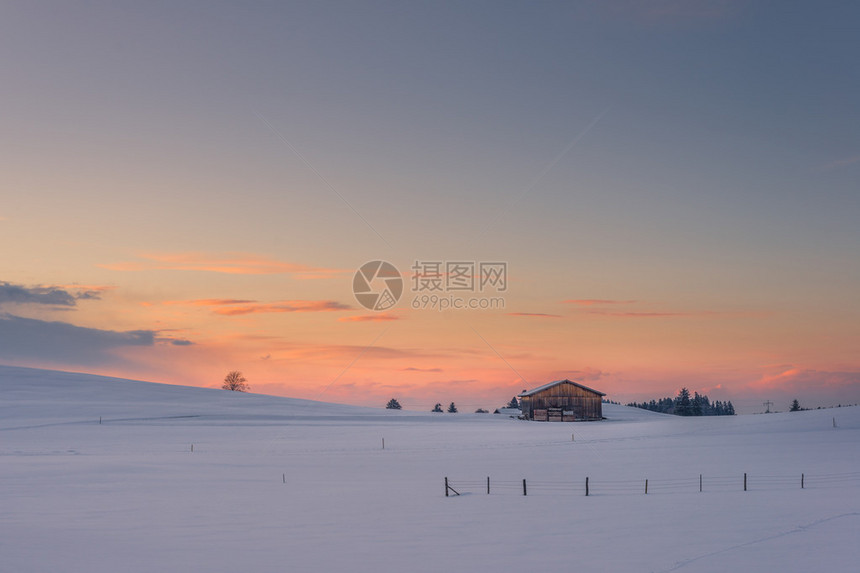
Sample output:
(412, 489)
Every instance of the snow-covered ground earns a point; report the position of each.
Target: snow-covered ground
(275, 484)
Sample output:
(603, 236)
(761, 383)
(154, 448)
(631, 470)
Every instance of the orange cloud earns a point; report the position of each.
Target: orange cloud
(231, 263)
(86, 288)
(368, 318)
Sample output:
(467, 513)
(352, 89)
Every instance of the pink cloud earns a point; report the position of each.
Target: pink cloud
(649, 314)
(85, 288)
(232, 306)
(794, 378)
(585, 375)
(843, 162)
(534, 314)
(596, 301)
(282, 306)
(209, 302)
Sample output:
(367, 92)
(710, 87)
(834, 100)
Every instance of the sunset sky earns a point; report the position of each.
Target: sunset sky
(189, 188)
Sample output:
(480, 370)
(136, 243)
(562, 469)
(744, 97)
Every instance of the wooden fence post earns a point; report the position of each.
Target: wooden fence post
(801, 481)
(525, 491)
(745, 481)
(646, 487)
(700, 483)
(586, 487)
(446, 487)
(488, 485)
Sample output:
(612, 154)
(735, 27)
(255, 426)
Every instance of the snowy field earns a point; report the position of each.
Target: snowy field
(275, 484)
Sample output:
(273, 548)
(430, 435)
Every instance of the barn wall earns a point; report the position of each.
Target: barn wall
(526, 407)
(563, 402)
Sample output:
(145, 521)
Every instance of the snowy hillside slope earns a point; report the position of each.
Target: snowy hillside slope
(55, 396)
(276, 484)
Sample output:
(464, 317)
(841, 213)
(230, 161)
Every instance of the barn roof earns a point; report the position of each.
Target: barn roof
(534, 391)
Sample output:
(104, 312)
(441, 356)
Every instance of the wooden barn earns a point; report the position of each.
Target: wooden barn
(562, 401)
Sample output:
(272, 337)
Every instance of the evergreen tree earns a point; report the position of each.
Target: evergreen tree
(667, 406)
(513, 403)
(682, 403)
(393, 405)
(795, 406)
(452, 409)
(437, 408)
(696, 405)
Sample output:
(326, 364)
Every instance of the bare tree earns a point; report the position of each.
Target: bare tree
(236, 382)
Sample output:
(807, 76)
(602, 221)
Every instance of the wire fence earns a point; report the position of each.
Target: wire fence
(701, 483)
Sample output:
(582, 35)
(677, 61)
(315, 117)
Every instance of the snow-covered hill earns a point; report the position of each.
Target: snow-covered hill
(276, 484)
(36, 395)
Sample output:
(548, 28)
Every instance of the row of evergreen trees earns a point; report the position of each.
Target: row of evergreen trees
(393, 404)
(452, 408)
(685, 405)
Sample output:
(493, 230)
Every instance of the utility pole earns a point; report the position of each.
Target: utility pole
(767, 404)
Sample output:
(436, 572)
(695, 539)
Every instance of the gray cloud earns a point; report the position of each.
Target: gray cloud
(89, 295)
(10, 293)
(60, 342)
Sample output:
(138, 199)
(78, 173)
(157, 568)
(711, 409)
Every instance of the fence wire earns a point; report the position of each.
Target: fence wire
(702, 483)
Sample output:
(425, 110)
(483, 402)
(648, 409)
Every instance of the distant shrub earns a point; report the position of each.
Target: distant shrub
(236, 382)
